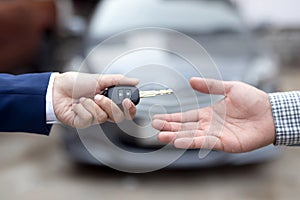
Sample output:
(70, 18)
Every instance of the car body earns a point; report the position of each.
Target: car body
(227, 51)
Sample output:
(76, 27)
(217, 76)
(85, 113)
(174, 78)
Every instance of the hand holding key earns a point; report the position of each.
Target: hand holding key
(77, 103)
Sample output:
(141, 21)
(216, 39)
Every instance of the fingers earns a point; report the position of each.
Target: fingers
(129, 109)
(167, 136)
(89, 112)
(202, 142)
(99, 116)
(114, 113)
(106, 81)
(174, 126)
(191, 140)
(82, 118)
(210, 86)
(189, 116)
(112, 110)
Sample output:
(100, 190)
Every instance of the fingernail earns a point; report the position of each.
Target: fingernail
(183, 143)
(128, 104)
(82, 99)
(166, 137)
(98, 97)
(158, 124)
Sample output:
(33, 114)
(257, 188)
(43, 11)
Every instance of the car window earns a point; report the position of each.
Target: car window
(189, 16)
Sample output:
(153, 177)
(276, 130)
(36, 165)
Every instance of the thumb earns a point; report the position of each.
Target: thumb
(210, 86)
(106, 81)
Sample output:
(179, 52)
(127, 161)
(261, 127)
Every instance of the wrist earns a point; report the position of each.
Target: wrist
(271, 130)
(62, 92)
(50, 114)
(56, 91)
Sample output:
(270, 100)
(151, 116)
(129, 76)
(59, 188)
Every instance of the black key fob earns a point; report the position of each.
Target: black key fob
(120, 92)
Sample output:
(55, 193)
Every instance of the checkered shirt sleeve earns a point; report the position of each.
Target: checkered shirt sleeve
(286, 114)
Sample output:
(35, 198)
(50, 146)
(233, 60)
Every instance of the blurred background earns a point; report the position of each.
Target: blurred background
(37, 36)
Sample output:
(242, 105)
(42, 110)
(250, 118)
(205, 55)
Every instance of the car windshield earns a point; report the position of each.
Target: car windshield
(189, 16)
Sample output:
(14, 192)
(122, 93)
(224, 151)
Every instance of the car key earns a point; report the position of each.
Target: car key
(120, 92)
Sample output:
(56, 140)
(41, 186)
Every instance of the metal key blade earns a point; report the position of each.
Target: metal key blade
(153, 93)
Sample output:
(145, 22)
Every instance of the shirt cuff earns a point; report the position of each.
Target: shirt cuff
(50, 115)
(286, 114)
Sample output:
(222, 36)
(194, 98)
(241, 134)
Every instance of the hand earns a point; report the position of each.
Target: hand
(241, 122)
(77, 101)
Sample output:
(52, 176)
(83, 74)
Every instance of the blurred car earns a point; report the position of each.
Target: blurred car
(230, 52)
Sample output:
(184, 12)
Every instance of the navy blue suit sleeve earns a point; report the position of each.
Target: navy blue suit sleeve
(23, 103)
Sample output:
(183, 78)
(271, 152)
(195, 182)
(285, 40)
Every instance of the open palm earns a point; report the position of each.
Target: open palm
(242, 121)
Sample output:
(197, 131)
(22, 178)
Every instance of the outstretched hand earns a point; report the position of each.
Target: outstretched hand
(77, 99)
(242, 121)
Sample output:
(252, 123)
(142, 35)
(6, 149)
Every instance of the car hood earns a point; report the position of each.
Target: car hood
(231, 54)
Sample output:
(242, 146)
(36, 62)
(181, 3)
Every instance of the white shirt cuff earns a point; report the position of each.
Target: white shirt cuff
(50, 115)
